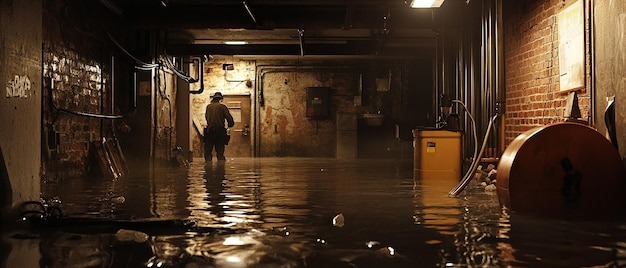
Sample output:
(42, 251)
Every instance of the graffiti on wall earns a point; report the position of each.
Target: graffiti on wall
(19, 87)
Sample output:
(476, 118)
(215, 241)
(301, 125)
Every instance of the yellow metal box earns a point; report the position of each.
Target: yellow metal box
(437, 154)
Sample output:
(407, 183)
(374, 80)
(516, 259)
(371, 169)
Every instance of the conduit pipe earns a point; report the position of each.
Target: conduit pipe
(200, 64)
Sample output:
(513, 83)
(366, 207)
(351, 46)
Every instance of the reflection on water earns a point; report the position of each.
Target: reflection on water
(278, 212)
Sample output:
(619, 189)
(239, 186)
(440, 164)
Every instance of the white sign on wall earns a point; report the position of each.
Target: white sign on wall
(19, 87)
(571, 25)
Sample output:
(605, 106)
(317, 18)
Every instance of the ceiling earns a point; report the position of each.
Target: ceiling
(291, 27)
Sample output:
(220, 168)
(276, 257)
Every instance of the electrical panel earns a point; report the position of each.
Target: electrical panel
(317, 102)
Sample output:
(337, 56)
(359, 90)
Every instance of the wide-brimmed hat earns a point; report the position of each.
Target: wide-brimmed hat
(217, 95)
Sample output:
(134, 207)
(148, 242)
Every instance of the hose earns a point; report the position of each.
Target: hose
(475, 135)
(470, 173)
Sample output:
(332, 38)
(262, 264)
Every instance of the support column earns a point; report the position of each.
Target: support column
(20, 100)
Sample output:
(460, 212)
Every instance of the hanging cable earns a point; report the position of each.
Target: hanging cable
(301, 36)
(245, 5)
(165, 58)
(140, 64)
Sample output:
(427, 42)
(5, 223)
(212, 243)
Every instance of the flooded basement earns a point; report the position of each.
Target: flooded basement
(298, 212)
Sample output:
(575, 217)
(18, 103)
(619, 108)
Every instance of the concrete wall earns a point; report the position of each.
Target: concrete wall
(610, 64)
(20, 101)
(533, 93)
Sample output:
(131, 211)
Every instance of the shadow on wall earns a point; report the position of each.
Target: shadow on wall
(5, 186)
(5, 202)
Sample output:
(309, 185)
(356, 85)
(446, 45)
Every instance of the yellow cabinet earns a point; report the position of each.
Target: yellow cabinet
(437, 154)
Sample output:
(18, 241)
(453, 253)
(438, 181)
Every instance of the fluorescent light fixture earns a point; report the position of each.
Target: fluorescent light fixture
(235, 43)
(426, 3)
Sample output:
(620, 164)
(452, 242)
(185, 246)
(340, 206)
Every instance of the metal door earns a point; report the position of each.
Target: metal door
(239, 145)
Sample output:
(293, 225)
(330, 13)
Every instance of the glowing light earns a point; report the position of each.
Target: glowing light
(235, 43)
(233, 241)
(426, 3)
(392, 251)
(233, 259)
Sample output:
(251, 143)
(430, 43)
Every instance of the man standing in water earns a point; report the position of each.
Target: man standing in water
(215, 132)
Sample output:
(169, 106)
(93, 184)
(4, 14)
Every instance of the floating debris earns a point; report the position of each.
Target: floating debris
(124, 235)
(118, 200)
(372, 244)
(338, 220)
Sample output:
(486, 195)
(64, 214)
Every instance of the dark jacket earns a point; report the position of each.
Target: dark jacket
(216, 114)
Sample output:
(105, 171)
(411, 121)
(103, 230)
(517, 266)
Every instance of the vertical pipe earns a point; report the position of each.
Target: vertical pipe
(592, 63)
(112, 78)
(500, 89)
(483, 68)
(437, 76)
(153, 115)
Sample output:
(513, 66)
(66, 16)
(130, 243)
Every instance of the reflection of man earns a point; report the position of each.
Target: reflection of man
(215, 132)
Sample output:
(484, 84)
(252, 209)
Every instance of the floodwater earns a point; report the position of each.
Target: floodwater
(298, 212)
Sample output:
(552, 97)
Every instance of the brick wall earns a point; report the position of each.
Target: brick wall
(533, 95)
(76, 57)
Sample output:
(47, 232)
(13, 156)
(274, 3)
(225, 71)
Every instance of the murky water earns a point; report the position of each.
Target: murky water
(293, 212)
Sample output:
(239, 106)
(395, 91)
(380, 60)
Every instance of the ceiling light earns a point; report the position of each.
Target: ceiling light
(236, 43)
(426, 3)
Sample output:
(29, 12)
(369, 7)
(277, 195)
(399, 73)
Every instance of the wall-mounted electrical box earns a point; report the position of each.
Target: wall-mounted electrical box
(317, 102)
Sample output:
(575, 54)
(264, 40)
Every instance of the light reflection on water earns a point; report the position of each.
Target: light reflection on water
(277, 212)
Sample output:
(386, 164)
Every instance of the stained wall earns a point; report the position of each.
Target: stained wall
(20, 100)
(610, 65)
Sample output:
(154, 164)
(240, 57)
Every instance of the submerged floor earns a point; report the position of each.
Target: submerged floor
(294, 212)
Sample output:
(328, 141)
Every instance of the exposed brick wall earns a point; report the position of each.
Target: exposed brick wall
(76, 57)
(533, 96)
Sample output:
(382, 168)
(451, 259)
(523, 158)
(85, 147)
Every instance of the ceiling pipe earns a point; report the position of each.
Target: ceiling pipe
(245, 5)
